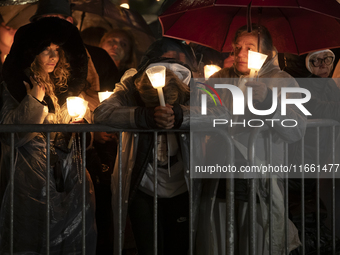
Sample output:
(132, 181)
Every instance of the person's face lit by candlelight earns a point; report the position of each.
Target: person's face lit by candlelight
(243, 44)
(49, 58)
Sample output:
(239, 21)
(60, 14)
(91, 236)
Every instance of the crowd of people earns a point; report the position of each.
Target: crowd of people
(48, 60)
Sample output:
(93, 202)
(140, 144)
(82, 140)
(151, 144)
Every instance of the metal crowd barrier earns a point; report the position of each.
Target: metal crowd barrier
(316, 124)
(230, 200)
(83, 129)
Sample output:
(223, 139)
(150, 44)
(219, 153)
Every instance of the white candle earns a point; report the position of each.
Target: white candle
(104, 95)
(156, 75)
(210, 70)
(161, 96)
(76, 107)
(255, 62)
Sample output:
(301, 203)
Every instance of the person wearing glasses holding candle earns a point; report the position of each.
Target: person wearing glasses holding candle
(262, 91)
(36, 71)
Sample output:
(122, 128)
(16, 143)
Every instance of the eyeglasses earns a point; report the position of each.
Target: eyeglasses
(318, 62)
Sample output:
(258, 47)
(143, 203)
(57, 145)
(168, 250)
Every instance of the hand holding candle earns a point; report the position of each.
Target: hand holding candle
(156, 75)
(76, 107)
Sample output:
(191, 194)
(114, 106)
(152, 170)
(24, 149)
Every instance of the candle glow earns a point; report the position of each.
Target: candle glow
(104, 95)
(76, 107)
(255, 61)
(210, 70)
(156, 75)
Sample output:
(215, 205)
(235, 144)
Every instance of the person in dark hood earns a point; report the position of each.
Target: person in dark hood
(171, 48)
(173, 194)
(102, 72)
(34, 90)
(135, 104)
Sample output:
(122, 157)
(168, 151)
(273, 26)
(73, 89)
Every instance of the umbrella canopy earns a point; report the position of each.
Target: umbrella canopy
(17, 13)
(297, 26)
(103, 13)
(87, 13)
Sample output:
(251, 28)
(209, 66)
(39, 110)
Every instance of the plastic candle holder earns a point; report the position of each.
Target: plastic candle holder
(156, 75)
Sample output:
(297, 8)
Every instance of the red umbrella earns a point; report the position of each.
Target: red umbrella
(297, 26)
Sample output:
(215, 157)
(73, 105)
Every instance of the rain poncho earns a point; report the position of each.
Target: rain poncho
(120, 111)
(65, 186)
(241, 136)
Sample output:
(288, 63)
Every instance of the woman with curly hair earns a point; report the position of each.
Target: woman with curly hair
(46, 59)
(51, 70)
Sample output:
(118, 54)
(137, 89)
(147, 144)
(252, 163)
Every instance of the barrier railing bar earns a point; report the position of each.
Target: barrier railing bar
(191, 234)
(48, 170)
(252, 193)
(155, 223)
(95, 127)
(318, 190)
(120, 171)
(12, 194)
(286, 200)
(83, 177)
(252, 214)
(302, 198)
(333, 193)
(13, 128)
(322, 123)
(230, 222)
(270, 197)
(230, 200)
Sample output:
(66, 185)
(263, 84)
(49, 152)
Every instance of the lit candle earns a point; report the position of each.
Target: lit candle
(210, 70)
(104, 95)
(76, 107)
(255, 62)
(156, 75)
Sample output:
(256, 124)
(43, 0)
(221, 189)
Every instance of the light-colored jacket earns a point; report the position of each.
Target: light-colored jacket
(118, 111)
(272, 77)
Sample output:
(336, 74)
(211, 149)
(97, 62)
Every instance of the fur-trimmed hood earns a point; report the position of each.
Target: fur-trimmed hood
(30, 40)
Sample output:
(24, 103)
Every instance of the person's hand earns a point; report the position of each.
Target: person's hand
(164, 116)
(103, 137)
(260, 90)
(77, 121)
(38, 90)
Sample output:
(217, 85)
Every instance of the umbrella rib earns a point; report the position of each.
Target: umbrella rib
(228, 28)
(297, 3)
(108, 22)
(297, 48)
(19, 13)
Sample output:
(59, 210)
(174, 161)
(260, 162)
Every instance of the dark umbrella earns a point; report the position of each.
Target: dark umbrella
(103, 13)
(17, 13)
(89, 13)
(297, 26)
